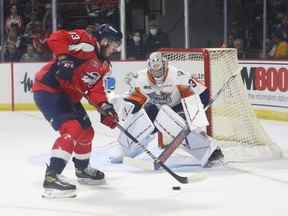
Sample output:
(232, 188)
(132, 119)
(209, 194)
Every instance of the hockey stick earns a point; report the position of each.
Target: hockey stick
(181, 179)
(212, 100)
(185, 131)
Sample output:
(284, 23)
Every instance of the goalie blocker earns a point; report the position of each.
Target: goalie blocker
(170, 122)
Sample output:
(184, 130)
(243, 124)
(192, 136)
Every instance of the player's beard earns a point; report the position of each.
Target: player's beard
(103, 52)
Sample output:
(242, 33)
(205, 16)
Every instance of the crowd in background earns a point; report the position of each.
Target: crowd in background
(28, 24)
(246, 31)
(27, 27)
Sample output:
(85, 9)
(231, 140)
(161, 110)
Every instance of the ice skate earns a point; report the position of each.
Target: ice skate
(56, 187)
(216, 158)
(90, 176)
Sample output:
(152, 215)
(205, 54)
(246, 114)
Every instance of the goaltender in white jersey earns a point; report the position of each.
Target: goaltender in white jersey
(166, 99)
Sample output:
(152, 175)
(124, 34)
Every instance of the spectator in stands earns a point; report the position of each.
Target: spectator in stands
(14, 37)
(13, 19)
(238, 44)
(283, 27)
(39, 42)
(231, 38)
(33, 25)
(91, 29)
(47, 19)
(93, 8)
(30, 55)
(103, 11)
(10, 53)
(155, 39)
(280, 47)
(135, 48)
(26, 8)
(8, 4)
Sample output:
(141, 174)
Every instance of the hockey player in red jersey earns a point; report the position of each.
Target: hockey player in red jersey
(57, 94)
(72, 48)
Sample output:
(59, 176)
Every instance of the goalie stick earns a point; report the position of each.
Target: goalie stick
(168, 151)
(181, 179)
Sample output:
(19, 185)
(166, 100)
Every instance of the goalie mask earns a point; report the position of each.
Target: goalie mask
(157, 67)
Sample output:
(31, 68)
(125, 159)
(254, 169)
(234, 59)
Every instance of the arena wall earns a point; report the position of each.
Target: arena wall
(265, 81)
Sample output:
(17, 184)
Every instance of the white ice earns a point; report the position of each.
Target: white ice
(25, 142)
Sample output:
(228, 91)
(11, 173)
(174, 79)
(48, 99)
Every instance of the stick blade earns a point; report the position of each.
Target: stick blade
(197, 177)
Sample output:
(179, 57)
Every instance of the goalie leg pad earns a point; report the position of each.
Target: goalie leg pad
(139, 126)
(194, 112)
(169, 123)
(200, 146)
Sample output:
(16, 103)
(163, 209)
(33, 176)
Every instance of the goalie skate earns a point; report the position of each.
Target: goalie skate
(56, 187)
(90, 176)
(215, 159)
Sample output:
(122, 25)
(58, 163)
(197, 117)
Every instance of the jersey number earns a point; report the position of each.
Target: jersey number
(74, 36)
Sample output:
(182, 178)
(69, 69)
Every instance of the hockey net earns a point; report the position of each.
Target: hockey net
(233, 122)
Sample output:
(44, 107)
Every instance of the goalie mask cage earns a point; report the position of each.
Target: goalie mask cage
(233, 122)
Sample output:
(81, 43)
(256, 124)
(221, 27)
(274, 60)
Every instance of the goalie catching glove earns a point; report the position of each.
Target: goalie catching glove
(136, 106)
(109, 116)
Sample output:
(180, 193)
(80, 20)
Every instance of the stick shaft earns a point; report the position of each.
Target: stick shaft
(180, 179)
(184, 132)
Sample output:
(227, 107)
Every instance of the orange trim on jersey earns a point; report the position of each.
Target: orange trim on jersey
(184, 91)
(137, 96)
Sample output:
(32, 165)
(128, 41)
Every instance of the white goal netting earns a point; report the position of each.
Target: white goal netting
(233, 122)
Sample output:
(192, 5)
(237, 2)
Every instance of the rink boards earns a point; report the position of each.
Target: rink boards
(265, 81)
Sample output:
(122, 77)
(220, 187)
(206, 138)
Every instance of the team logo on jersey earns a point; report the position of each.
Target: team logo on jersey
(162, 98)
(90, 78)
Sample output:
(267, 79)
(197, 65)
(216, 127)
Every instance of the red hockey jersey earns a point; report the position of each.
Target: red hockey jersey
(87, 81)
(77, 43)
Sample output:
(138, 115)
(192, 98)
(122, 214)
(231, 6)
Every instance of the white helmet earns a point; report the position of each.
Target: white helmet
(157, 66)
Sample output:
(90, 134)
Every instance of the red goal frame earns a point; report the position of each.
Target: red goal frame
(207, 74)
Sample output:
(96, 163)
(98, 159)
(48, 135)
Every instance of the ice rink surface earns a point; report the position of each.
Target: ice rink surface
(26, 138)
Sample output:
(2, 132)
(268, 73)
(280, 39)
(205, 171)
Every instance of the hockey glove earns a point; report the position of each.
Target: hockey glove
(109, 116)
(66, 65)
(137, 106)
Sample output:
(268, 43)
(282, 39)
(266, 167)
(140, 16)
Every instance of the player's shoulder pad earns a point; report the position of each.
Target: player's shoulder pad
(141, 78)
(178, 72)
(179, 76)
(84, 36)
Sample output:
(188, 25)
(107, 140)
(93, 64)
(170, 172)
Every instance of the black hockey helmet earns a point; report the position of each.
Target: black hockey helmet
(109, 32)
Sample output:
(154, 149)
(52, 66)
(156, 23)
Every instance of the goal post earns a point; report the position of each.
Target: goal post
(233, 122)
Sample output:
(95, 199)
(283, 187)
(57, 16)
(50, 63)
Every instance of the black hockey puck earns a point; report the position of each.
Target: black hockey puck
(176, 188)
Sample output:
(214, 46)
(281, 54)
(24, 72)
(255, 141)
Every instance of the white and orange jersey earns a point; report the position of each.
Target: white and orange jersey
(177, 85)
